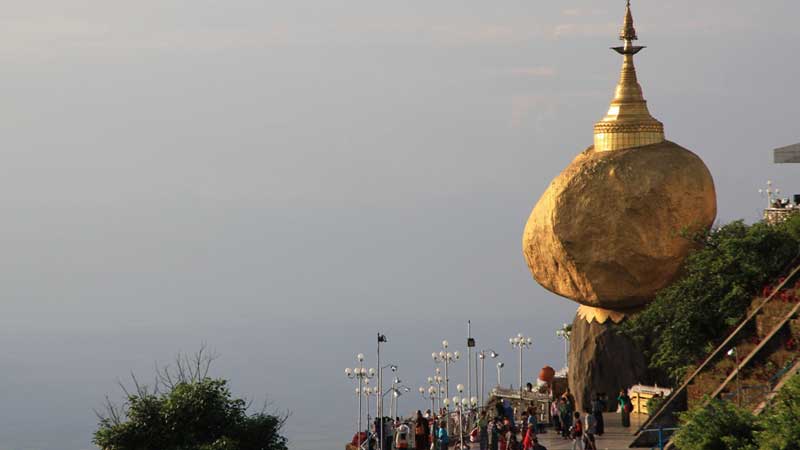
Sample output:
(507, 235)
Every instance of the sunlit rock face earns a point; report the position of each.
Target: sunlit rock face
(607, 233)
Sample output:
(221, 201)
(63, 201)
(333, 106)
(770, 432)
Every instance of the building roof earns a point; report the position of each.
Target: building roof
(789, 154)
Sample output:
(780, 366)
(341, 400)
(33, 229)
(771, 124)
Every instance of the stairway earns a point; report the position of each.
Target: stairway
(750, 365)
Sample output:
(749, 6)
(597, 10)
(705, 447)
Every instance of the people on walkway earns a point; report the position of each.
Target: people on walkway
(442, 438)
(625, 407)
(483, 431)
(565, 413)
(555, 414)
(576, 432)
(598, 407)
(589, 430)
(421, 432)
(401, 436)
(494, 434)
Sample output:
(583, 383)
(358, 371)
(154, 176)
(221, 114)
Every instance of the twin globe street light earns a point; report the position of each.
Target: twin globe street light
(520, 342)
(482, 356)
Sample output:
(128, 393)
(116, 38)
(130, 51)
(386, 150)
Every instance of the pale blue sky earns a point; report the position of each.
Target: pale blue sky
(284, 179)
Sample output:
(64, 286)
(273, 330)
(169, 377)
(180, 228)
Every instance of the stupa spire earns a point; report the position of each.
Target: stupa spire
(628, 122)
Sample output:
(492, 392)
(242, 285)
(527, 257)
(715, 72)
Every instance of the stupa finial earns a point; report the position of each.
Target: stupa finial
(628, 122)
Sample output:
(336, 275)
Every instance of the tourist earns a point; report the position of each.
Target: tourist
(555, 415)
(625, 408)
(421, 432)
(483, 432)
(576, 432)
(527, 441)
(532, 421)
(512, 441)
(401, 436)
(501, 412)
(565, 415)
(494, 434)
(442, 437)
(523, 424)
(598, 407)
(589, 430)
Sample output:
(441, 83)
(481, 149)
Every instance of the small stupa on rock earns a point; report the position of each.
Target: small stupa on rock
(609, 231)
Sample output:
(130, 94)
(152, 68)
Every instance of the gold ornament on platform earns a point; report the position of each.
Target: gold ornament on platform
(607, 233)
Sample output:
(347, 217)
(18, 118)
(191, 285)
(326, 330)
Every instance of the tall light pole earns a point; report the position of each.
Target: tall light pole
(482, 356)
(500, 366)
(446, 358)
(520, 343)
(460, 403)
(470, 344)
(564, 333)
(362, 376)
(379, 409)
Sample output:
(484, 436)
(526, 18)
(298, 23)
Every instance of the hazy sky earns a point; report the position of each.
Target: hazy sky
(284, 179)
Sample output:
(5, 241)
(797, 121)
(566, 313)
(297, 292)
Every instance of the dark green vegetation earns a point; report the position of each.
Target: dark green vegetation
(721, 425)
(694, 314)
(187, 410)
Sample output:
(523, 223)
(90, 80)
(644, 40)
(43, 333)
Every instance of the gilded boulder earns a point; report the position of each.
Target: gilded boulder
(610, 229)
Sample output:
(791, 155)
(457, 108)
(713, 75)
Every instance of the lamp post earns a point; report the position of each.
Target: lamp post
(446, 358)
(379, 407)
(396, 390)
(500, 366)
(482, 356)
(735, 354)
(437, 380)
(521, 343)
(564, 334)
(362, 376)
(460, 403)
(369, 392)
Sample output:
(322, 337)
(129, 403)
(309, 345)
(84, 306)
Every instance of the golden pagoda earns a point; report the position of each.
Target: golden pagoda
(607, 231)
(628, 123)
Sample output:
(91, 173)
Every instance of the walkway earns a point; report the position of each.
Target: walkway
(615, 438)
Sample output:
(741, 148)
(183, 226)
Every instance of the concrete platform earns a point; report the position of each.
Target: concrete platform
(616, 437)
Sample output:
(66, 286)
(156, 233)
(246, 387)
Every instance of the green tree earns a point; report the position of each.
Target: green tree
(781, 422)
(187, 410)
(717, 284)
(719, 425)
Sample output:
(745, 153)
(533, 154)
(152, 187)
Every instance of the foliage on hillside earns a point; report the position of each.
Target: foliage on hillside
(187, 410)
(688, 318)
(721, 425)
(781, 422)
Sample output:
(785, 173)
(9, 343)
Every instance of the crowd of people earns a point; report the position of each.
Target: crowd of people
(497, 429)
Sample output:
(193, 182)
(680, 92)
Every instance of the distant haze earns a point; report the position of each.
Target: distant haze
(282, 180)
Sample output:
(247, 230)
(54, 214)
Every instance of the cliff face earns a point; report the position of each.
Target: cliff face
(607, 232)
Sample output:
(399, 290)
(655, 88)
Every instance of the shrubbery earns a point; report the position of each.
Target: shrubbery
(690, 317)
(721, 425)
(187, 410)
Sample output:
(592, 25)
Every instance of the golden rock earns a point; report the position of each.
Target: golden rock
(607, 233)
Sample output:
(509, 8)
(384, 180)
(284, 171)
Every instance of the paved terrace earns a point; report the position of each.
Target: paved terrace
(615, 438)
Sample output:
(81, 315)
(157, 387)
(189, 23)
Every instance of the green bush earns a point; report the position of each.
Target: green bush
(187, 410)
(720, 425)
(781, 421)
(718, 281)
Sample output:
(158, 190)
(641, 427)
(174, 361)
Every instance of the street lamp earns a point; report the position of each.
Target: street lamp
(500, 366)
(460, 402)
(735, 354)
(446, 358)
(564, 333)
(520, 343)
(396, 390)
(362, 376)
(482, 356)
(437, 379)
